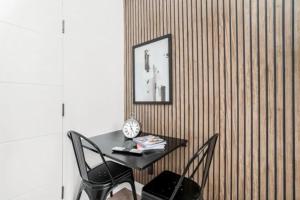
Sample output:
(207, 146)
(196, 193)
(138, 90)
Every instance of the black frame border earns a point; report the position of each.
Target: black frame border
(169, 37)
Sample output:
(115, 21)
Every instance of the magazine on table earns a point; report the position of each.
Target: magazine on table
(141, 144)
(150, 142)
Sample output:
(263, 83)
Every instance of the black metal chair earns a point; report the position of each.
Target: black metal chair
(171, 186)
(98, 182)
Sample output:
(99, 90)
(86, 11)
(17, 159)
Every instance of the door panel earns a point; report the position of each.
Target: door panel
(29, 57)
(31, 91)
(43, 16)
(29, 165)
(29, 111)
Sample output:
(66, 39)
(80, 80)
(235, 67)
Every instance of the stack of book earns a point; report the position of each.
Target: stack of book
(150, 142)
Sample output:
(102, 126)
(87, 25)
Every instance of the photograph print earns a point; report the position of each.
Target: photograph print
(152, 71)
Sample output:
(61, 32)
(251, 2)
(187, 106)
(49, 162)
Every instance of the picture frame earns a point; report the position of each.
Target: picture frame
(152, 71)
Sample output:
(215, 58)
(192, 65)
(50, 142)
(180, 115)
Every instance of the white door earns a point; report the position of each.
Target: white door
(31, 89)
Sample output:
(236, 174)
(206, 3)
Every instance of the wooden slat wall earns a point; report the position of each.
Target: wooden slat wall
(236, 71)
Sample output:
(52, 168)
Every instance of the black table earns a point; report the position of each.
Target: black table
(109, 140)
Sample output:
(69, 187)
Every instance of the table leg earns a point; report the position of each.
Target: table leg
(150, 170)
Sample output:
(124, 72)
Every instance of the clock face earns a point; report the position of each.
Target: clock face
(131, 128)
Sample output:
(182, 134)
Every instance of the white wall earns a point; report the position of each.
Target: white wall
(30, 99)
(93, 76)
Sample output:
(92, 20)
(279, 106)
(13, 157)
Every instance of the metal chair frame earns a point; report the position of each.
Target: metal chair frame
(95, 190)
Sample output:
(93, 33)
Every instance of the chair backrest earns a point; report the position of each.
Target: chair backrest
(83, 167)
(204, 156)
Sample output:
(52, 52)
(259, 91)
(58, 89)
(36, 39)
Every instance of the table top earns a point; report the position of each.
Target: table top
(107, 141)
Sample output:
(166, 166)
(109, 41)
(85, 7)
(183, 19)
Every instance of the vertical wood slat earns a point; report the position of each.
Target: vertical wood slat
(234, 102)
(256, 113)
(279, 99)
(248, 107)
(296, 95)
(227, 94)
(271, 173)
(195, 85)
(289, 102)
(204, 76)
(176, 81)
(201, 79)
(241, 102)
(262, 118)
(222, 101)
(215, 15)
(235, 72)
(210, 98)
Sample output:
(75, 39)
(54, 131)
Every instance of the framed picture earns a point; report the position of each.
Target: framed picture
(152, 71)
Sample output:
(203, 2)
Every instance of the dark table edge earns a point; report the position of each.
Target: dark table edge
(183, 144)
(167, 153)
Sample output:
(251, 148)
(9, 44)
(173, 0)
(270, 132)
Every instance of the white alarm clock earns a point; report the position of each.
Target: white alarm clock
(131, 128)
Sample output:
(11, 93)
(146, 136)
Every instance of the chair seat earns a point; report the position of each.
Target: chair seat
(100, 175)
(162, 187)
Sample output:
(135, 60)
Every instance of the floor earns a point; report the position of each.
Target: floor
(123, 194)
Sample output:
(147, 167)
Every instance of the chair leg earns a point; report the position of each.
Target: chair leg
(79, 191)
(133, 190)
(111, 194)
